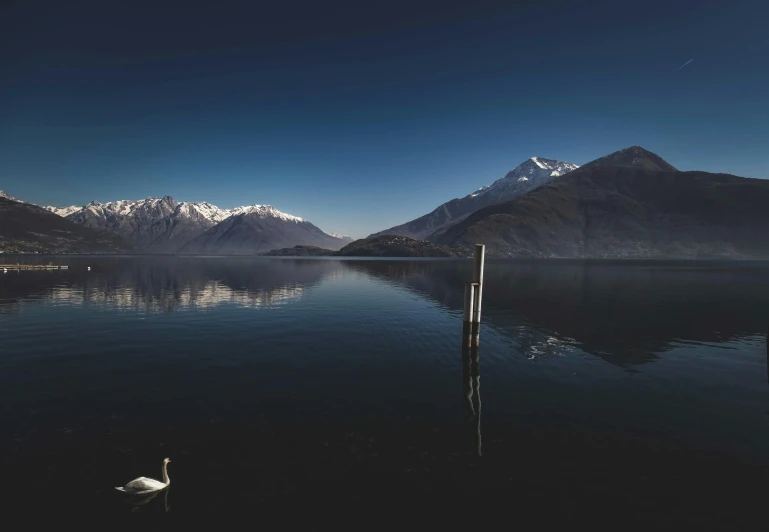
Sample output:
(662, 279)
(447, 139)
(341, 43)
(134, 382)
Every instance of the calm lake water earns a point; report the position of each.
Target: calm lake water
(324, 392)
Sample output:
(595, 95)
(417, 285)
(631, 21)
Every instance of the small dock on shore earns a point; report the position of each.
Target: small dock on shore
(18, 267)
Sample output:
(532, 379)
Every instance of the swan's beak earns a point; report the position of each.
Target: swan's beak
(169, 460)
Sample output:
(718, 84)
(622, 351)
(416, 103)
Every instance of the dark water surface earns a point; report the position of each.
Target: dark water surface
(325, 394)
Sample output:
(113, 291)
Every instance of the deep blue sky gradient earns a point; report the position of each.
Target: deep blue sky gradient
(358, 117)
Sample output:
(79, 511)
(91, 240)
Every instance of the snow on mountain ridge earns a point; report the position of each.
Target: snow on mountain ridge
(7, 196)
(165, 225)
(210, 212)
(124, 208)
(479, 191)
(63, 211)
(265, 211)
(341, 237)
(534, 169)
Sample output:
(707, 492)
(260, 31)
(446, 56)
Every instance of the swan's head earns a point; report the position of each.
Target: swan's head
(166, 461)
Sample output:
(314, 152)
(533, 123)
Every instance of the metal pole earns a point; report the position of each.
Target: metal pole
(467, 318)
(480, 253)
(469, 301)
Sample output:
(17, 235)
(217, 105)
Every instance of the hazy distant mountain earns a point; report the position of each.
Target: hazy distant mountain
(528, 175)
(259, 229)
(26, 228)
(630, 203)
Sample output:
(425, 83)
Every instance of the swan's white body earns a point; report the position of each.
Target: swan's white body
(144, 485)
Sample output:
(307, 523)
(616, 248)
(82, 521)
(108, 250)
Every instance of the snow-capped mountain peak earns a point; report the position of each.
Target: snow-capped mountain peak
(534, 165)
(265, 211)
(529, 174)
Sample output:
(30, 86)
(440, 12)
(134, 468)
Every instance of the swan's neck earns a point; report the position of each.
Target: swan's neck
(166, 480)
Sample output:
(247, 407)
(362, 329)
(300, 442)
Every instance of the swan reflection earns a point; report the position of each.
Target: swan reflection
(140, 502)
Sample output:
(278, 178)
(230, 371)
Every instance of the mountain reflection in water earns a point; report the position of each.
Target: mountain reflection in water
(166, 284)
(626, 315)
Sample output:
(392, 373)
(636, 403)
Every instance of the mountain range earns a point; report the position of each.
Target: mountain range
(164, 225)
(628, 204)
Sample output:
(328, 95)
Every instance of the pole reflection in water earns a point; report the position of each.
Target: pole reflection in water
(471, 380)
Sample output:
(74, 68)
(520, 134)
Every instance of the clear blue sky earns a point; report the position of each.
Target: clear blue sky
(361, 115)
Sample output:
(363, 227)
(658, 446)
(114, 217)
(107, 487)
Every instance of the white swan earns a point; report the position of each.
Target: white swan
(144, 485)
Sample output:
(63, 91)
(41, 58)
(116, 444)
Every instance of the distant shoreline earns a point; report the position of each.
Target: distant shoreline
(553, 260)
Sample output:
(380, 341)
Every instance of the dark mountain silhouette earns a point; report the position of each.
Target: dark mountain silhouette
(630, 204)
(393, 246)
(300, 251)
(26, 228)
(634, 157)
